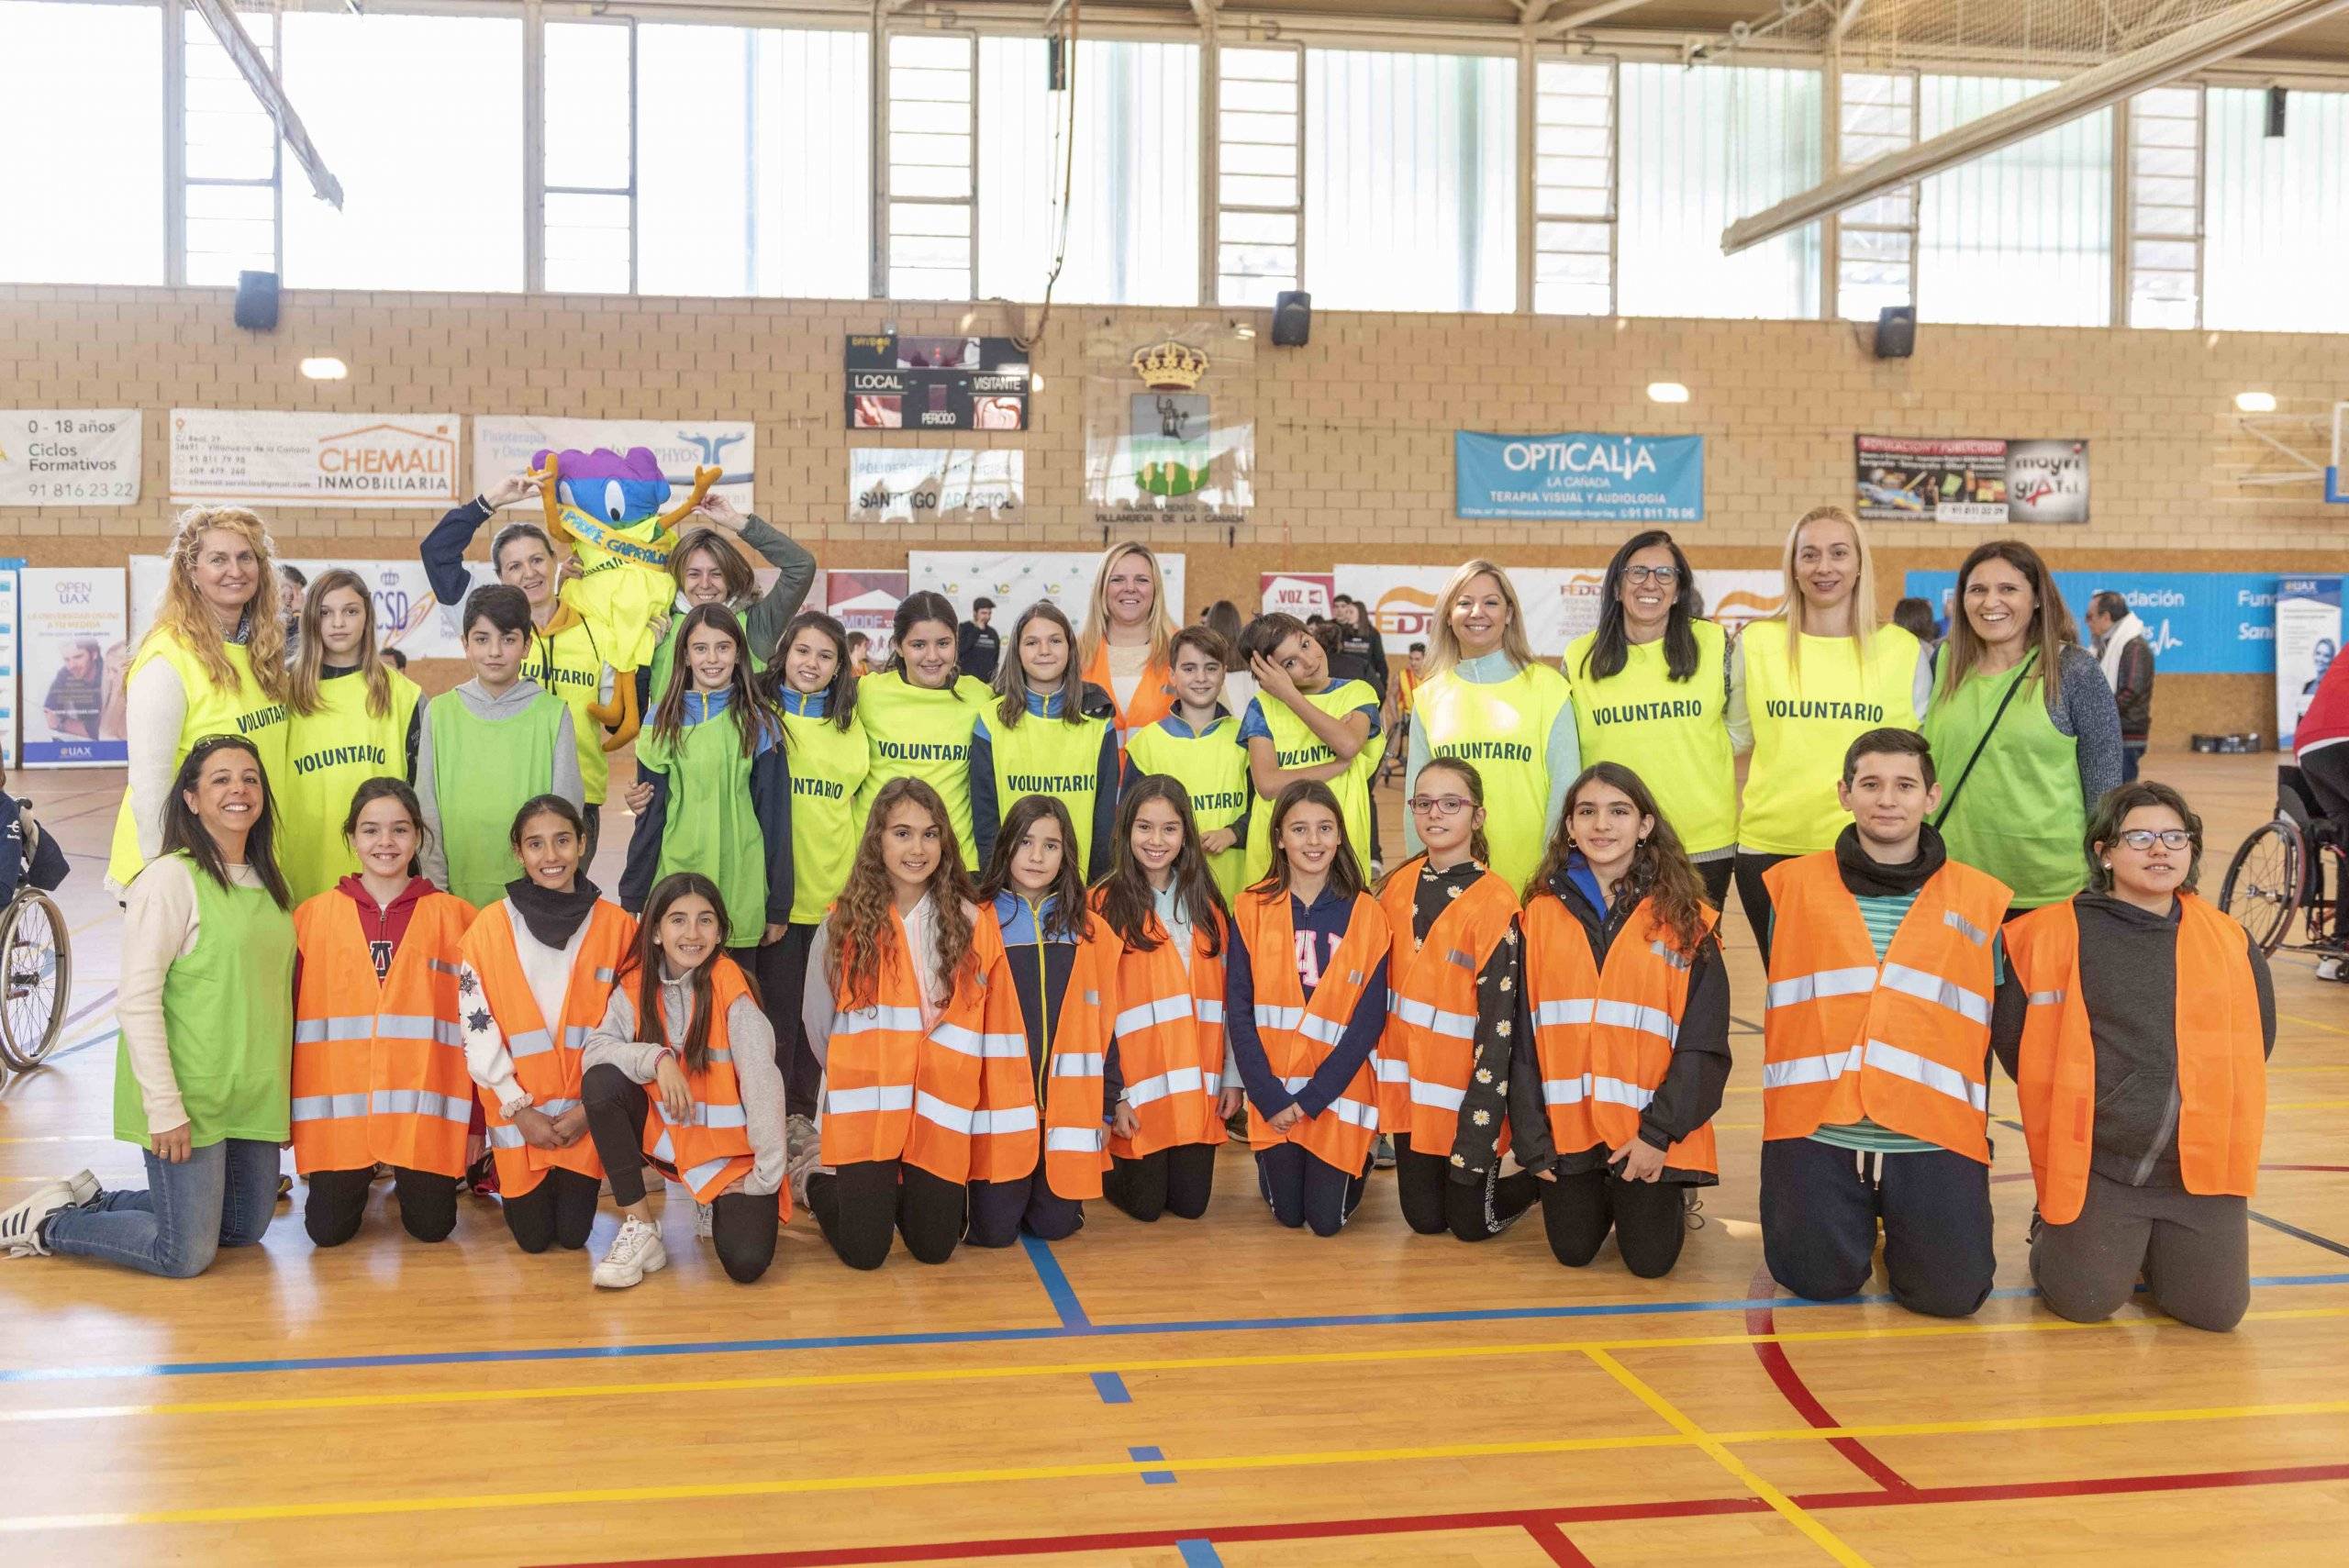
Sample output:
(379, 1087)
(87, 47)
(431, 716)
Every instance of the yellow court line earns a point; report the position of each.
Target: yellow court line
(1691, 1437)
(2305, 1104)
(2313, 1023)
(1785, 1507)
(395, 1399)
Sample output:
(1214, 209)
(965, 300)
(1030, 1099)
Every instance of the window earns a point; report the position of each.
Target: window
(932, 129)
(1702, 148)
(1875, 240)
(421, 119)
(762, 188)
(2023, 235)
(2165, 208)
(1574, 188)
(82, 111)
(232, 156)
(1410, 183)
(1259, 177)
(1133, 216)
(2278, 225)
(590, 158)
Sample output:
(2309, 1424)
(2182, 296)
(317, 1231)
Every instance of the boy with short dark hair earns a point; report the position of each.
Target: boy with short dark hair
(1303, 725)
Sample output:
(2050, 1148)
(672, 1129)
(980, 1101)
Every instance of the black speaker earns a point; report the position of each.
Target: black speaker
(257, 301)
(1292, 319)
(1896, 332)
(2275, 101)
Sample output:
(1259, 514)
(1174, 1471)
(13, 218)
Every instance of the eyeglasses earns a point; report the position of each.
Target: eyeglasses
(1663, 576)
(1438, 805)
(2171, 838)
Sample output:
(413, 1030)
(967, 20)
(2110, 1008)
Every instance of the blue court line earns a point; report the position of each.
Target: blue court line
(1151, 1477)
(1000, 1336)
(1199, 1553)
(1055, 1279)
(1112, 1388)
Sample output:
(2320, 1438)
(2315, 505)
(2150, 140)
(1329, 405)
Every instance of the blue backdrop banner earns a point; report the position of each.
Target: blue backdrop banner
(2201, 623)
(1580, 477)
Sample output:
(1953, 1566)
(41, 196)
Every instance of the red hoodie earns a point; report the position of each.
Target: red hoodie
(383, 928)
(2327, 719)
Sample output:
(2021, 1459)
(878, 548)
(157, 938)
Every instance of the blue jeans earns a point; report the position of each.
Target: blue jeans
(223, 1195)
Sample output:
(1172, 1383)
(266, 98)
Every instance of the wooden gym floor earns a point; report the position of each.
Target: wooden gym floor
(1192, 1393)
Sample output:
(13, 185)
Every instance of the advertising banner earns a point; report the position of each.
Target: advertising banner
(1995, 480)
(8, 663)
(2200, 623)
(504, 444)
(1170, 425)
(1578, 476)
(73, 642)
(1014, 579)
(80, 457)
(404, 601)
(1299, 593)
(863, 601)
(243, 457)
(2307, 639)
(935, 484)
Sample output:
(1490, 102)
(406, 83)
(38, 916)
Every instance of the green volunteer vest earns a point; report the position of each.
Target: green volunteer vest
(570, 665)
(482, 774)
(664, 661)
(229, 1017)
(1673, 734)
(711, 826)
(244, 709)
(1049, 756)
(1213, 768)
(913, 732)
(1294, 746)
(1800, 733)
(328, 754)
(1502, 729)
(828, 767)
(2019, 817)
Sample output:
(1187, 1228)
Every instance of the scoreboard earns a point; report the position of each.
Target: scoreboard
(936, 383)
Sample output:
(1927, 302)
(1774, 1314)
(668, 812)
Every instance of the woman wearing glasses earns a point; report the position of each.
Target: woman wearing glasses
(1650, 691)
(2143, 1077)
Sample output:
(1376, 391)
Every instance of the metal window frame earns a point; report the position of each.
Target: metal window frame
(1211, 171)
(883, 194)
(537, 118)
(178, 182)
(2124, 210)
(1529, 216)
(1831, 238)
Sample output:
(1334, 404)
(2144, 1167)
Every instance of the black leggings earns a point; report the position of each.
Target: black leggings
(337, 1202)
(1000, 1210)
(783, 985)
(1474, 1211)
(1755, 897)
(743, 1226)
(558, 1212)
(1306, 1191)
(1177, 1181)
(1649, 1218)
(1718, 874)
(863, 1203)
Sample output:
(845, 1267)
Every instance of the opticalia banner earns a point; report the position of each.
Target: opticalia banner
(1299, 593)
(241, 456)
(1995, 480)
(73, 648)
(504, 444)
(2307, 639)
(404, 601)
(1014, 579)
(69, 457)
(1579, 476)
(1170, 425)
(2200, 623)
(863, 601)
(935, 484)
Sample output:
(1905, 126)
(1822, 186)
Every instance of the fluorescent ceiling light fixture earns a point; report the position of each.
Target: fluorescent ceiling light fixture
(2255, 402)
(326, 368)
(1666, 392)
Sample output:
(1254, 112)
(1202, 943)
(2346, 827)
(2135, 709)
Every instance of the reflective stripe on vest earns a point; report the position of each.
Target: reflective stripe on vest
(1076, 1136)
(1166, 1017)
(1431, 1013)
(1298, 1033)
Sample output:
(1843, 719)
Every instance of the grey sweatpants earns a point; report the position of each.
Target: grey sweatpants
(2194, 1252)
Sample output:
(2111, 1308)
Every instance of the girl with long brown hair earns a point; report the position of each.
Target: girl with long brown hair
(709, 567)
(1049, 732)
(918, 713)
(1614, 1086)
(354, 718)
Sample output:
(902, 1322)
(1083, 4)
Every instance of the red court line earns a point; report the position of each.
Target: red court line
(1773, 1359)
(1553, 1540)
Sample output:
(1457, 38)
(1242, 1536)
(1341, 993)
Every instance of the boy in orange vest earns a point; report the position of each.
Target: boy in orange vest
(1876, 1040)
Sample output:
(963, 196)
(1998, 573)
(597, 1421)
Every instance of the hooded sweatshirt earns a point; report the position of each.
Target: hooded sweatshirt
(510, 703)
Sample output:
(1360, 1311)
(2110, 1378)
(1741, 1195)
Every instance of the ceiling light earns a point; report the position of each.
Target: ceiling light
(325, 369)
(2255, 402)
(1667, 392)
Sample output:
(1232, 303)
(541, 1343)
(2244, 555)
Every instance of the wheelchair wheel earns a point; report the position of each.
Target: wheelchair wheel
(2263, 881)
(37, 963)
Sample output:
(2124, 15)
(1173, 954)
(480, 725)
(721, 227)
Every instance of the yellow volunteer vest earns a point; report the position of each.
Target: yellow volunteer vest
(242, 709)
(1503, 730)
(1296, 746)
(1049, 756)
(913, 732)
(570, 665)
(828, 766)
(1213, 768)
(1800, 735)
(1673, 734)
(328, 754)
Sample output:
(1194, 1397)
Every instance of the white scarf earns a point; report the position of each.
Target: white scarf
(2123, 629)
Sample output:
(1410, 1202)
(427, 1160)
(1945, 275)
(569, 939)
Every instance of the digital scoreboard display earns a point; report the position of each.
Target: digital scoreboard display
(936, 383)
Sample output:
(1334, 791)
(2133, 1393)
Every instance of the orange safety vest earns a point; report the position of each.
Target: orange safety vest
(547, 1061)
(1077, 1132)
(1428, 1050)
(895, 1090)
(1902, 1042)
(711, 1150)
(1298, 1035)
(1167, 1021)
(379, 1067)
(1154, 694)
(1605, 1036)
(2221, 1064)
(1005, 1138)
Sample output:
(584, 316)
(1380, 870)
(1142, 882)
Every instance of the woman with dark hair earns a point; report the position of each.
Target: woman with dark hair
(709, 569)
(918, 712)
(2142, 1076)
(1049, 731)
(1615, 1089)
(203, 1065)
(1651, 689)
(2022, 726)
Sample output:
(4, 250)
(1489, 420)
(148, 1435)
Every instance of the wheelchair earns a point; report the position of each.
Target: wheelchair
(2277, 874)
(36, 961)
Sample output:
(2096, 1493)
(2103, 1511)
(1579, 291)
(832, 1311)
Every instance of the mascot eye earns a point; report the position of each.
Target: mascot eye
(615, 501)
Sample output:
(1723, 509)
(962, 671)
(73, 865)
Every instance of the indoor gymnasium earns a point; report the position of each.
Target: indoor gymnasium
(1174, 781)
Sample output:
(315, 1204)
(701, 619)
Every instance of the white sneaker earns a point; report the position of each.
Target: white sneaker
(20, 1226)
(85, 1187)
(635, 1253)
(702, 1222)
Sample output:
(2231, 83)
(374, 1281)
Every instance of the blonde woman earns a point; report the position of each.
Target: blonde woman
(213, 663)
(1802, 687)
(1127, 628)
(1486, 699)
(354, 718)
